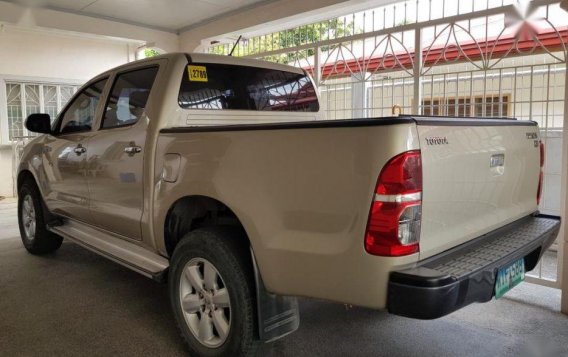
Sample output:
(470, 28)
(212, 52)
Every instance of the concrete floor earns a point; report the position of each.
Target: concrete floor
(75, 303)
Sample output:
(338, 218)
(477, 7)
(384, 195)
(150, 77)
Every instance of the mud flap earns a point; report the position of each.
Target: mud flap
(278, 315)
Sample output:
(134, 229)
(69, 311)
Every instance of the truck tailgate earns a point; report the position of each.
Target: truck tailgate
(478, 175)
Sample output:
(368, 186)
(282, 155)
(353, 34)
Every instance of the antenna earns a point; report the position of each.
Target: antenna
(235, 45)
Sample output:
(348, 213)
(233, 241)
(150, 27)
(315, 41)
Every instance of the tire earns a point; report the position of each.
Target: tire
(211, 259)
(33, 230)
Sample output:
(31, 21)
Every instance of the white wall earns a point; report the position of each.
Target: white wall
(35, 53)
(50, 57)
(6, 171)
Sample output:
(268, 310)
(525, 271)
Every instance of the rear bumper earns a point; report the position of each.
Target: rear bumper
(466, 274)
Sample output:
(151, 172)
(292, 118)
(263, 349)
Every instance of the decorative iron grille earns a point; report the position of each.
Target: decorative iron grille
(24, 99)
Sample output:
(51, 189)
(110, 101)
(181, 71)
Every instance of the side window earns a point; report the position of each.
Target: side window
(128, 97)
(80, 115)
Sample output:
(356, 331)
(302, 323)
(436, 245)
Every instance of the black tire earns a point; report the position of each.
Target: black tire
(42, 241)
(219, 246)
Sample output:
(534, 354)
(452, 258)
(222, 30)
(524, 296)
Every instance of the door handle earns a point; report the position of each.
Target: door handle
(80, 150)
(133, 149)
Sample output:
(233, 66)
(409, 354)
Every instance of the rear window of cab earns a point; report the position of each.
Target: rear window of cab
(232, 87)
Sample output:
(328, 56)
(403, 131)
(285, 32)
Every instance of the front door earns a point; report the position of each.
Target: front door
(65, 154)
(116, 155)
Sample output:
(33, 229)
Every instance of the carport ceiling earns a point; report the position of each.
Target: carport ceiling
(170, 15)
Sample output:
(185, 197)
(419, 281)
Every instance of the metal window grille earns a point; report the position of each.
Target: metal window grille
(24, 99)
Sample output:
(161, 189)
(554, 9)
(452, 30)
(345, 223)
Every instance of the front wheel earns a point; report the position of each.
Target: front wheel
(33, 229)
(212, 293)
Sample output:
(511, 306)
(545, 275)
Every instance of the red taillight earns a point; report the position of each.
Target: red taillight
(393, 228)
(401, 175)
(541, 174)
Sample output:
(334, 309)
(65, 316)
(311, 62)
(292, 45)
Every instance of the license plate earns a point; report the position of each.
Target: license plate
(509, 277)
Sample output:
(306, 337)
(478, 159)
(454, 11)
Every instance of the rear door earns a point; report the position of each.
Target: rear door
(116, 154)
(478, 175)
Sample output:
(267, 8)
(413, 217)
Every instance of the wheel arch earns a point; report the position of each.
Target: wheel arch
(277, 315)
(26, 175)
(189, 213)
(23, 176)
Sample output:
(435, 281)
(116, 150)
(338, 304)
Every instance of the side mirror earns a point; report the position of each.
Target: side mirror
(39, 123)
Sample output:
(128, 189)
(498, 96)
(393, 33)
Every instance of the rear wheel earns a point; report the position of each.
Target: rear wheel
(33, 229)
(212, 294)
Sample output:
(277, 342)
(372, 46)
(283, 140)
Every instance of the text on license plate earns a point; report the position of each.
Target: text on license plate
(509, 276)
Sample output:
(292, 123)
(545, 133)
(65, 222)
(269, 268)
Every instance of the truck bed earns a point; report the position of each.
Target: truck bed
(303, 191)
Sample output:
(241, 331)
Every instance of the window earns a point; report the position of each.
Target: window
(80, 115)
(431, 107)
(24, 99)
(128, 97)
(492, 106)
(247, 88)
(459, 108)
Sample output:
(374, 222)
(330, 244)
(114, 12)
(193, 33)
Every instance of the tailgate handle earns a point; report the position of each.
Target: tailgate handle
(497, 160)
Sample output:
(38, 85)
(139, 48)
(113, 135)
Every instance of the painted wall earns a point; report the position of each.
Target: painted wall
(34, 53)
(50, 57)
(6, 171)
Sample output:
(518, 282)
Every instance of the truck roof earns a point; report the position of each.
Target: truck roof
(212, 58)
(249, 62)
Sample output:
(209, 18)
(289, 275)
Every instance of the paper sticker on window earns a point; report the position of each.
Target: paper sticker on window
(197, 73)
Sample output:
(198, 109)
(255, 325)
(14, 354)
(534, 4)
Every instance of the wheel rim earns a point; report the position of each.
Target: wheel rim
(205, 302)
(29, 217)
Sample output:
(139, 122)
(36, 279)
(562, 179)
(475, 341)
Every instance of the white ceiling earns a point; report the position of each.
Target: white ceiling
(170, 15)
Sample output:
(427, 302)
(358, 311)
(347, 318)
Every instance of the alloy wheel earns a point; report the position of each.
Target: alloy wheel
(205, 302)
(29, 217)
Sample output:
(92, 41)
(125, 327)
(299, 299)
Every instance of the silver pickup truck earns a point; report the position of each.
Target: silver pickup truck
(222, 177)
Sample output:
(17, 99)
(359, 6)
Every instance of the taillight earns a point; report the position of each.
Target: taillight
(393, 228)
(541, 174)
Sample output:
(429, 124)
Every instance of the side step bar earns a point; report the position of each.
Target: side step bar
(116, 249)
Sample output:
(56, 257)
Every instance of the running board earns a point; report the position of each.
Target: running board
(116, 249)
